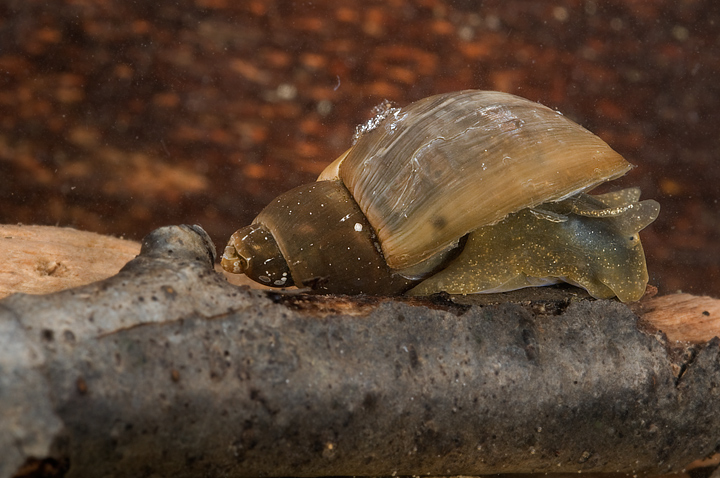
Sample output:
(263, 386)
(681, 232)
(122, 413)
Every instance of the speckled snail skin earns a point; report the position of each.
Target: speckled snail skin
(466, 192)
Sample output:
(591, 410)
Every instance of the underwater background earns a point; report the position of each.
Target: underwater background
(119, 117)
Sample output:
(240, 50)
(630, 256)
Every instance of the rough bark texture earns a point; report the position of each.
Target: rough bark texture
(119, 117)
(167, 369)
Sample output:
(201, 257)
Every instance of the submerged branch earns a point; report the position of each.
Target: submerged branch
(166, 368)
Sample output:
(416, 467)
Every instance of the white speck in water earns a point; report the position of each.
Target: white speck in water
(358, 227)
(680, 33)
(560, 14)
(324, 107)
(492, 22)
(286, 91)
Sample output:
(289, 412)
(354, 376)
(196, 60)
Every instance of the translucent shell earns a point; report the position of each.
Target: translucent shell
(439, 168)
(588, 241)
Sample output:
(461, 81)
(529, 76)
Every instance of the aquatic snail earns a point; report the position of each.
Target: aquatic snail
(467, 192)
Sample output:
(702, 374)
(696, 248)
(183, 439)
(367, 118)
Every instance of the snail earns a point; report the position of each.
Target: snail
(466, 192)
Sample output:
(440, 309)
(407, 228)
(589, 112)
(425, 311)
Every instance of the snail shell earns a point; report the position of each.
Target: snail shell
(398, 206)
(447, 164)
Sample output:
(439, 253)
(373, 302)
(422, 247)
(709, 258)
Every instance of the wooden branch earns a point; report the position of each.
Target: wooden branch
(683, 317)
(44, 259)
(167, 369)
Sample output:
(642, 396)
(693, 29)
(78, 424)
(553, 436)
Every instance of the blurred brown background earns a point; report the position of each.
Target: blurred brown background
(119, 117)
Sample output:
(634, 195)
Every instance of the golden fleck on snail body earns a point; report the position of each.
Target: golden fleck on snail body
(466, 192)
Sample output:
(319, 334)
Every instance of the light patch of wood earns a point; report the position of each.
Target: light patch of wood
(684, 317)
(712, 461)
(45, 259)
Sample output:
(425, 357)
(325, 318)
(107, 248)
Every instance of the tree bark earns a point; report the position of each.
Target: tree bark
(166, 369)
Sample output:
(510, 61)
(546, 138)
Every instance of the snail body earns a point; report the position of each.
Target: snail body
(414, 199)
(588, 241)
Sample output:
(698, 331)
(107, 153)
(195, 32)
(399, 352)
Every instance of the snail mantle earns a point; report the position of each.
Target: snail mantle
(168, 369)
